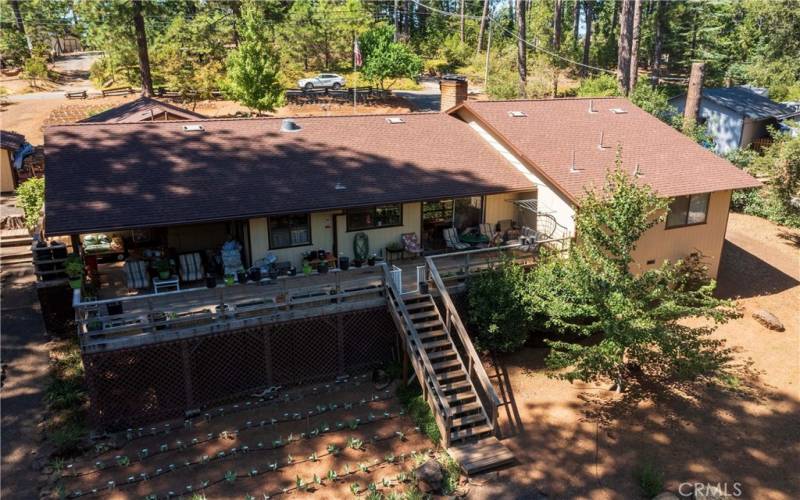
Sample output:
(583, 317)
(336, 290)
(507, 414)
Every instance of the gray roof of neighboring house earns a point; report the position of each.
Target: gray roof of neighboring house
(746, 102)
(140, 110)
(11, 140)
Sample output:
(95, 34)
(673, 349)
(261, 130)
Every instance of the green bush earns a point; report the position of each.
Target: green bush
(65, 394)
(455, 52)
(68, 439)
(599, 86)
(650, 479)
(30, 197)
(451, 473)
(499, 308)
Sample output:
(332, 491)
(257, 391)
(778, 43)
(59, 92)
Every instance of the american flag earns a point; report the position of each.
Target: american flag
(357, 54)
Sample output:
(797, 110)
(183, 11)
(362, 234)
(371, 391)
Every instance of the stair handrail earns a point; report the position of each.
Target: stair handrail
(416, 347)
(474, 364)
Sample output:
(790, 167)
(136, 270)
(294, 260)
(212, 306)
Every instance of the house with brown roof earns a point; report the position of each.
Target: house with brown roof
(10, 143)
(479, 182)
(143, 109)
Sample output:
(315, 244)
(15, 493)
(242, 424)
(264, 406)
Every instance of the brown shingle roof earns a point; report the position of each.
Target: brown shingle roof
(139, 110)
(112, 176)
(11, 140)
(673, 164)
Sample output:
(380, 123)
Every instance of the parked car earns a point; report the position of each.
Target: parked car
(321, 81)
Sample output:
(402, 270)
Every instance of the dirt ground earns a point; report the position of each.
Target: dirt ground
(245, 435)
(581, 441)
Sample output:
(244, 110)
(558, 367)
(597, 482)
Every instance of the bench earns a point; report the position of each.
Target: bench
(117, 91)
(76, 95)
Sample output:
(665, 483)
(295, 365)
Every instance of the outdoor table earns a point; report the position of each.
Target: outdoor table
(474, 238)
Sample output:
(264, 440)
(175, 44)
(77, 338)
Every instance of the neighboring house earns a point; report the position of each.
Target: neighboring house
(10, 143)
(143, 109)
(736, 117)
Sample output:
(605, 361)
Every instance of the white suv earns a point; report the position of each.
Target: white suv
(323, 80)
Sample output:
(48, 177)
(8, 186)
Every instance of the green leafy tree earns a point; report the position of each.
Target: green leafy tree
(34, 70)
(386, 59)
(640, 318)
(30, 196)
(780, 166)
(253, 68)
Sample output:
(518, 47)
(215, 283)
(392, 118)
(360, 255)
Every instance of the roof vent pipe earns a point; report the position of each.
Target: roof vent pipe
(602, 137)
(591, 106)
(572, 168)
(289, 125)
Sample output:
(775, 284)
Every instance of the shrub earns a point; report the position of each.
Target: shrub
(68, 438)
(30, 197)
(419, 411)
(499, 308)
(599, 86)
(451, 473)
(650, 479)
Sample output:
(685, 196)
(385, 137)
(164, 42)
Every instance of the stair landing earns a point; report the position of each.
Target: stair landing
(488, 453)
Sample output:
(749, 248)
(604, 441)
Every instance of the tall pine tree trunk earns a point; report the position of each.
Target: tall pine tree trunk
(21, 24)
(624, 47)
(483, 24)
(635, 33)
(407, 20)
(588, 10)
(141, 45)
(558, 8)
(396, 21)
(461, 21)
(658, 41)
(522, 48)
(237, 14)
(576, 20)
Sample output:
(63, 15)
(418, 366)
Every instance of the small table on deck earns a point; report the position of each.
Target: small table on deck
(474, 238)
(172, 282)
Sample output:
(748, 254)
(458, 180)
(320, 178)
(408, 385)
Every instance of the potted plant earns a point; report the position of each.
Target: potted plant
(241, 276)
(163, 269)
(74, 269)
(306, 268)
(358, 262)
(371, 260)
(229, 279)
(322, 267)
(344, 263)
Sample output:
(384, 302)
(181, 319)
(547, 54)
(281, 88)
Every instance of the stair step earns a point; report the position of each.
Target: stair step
(456, 387)
(460, 396)
(465, 409)
(424, 314)
(487, 453)
(16, 241)
(468, 420)
(441, 354)
(415, 299)
(431, 334)
(470, 432)
(446, 365)
(451, 376)
(418, 305)
(436, 344)
(427, 324)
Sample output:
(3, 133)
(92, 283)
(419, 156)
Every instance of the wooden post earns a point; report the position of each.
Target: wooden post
(405, 366)
(693, 95)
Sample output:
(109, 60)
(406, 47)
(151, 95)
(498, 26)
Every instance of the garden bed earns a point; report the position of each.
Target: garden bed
(328, 437)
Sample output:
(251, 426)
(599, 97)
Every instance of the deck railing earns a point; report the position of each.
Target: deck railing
(143, 319)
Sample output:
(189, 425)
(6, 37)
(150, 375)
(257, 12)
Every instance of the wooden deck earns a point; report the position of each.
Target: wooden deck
(479, 456)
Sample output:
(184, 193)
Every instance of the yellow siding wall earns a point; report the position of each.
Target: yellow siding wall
(6, 177)
(379, 238)
(662, 244)
(321, 239)
(498, 207)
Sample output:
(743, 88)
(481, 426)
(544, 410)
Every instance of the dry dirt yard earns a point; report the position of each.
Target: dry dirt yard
(581, 441)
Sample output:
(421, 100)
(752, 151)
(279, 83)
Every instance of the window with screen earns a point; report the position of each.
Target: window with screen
(289, 231)
(375, 217)
(688, 210)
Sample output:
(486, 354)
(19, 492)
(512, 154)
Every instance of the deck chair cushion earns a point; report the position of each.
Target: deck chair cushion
(191, 267)
(410, 243)
(452, 241)
(136, 276)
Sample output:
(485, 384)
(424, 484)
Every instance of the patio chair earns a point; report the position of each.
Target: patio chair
(411, 244)
(452, 241)
(191, 267)
(136, 275)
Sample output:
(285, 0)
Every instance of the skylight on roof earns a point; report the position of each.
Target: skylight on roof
(517, 114)
(193, 128)
(618, 111)
(394, 120)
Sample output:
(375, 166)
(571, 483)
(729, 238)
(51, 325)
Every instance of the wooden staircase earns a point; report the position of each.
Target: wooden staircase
(459, 393)
(468, 417)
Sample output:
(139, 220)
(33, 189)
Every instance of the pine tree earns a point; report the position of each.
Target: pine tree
(253, 68)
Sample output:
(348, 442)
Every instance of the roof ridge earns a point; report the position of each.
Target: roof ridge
(249, 118)
(548, 99)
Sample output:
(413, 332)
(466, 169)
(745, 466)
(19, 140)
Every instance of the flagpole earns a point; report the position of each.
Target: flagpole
(355, 75)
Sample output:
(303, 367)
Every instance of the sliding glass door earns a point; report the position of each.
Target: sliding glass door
(461, 213)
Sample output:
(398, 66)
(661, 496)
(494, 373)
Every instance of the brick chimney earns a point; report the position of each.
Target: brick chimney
(454, 91)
